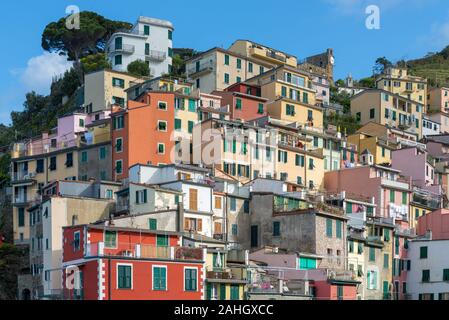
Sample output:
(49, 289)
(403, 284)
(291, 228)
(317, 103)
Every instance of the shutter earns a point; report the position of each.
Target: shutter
(163, 278)
(186, 224)
(137, 197)
(128, 277)
(120, 276)
(222, 292)
(193, 199)
(200, 225)
(145, 196)
(209, 291)
(217, 228)
(368, 280)
(156, 278)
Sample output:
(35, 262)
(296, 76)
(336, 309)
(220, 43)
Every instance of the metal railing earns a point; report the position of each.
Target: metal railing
(143, 251)
(205, 66)
(276, 56)
(124, 48)
(155, 55)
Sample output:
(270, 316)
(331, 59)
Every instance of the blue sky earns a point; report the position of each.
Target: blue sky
(409, 29)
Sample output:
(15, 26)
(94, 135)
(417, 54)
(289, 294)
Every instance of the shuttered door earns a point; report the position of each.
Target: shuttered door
(222, 292)
(217, 227)
(193, 199)
(209, 291)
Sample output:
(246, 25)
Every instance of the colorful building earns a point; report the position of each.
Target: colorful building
(112, 263)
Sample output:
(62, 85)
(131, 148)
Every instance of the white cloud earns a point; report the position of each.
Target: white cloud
(41, 70)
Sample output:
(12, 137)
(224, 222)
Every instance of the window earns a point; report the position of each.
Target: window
(392, 197)
(238, 104)
(360, 248)
(358, 116)
(283, 91)
(276, 229)
(260, 108)
(233, 204)
(170, 35)
(102, 153)
(124, 277)
(372, 113)
(386, 235)
(425, 276)
(84, 156)
(193, 199)
(162, 240)
(146, 30)
(69, 160)
(21, 217)
(161, 148)
(250, 67)
(116, 82)
(246, 206)
(329, 228)
(76, 241)
(423, 252)
(299, 160)
(351, 246)
(404, 198)
(39, 165)
(311, 164)
(162, 105)
(190, 279)
(178, 124)
(217, 202)
(338, 231)
(290, 110)
(371, 278)
(119, 145)
(234, 230)
(235, 295)
(118, 60)
(445, 274)
(110, 239)
(118, 122)
(162, 126)
(226, 59)
(372, 254)
(190, 125)
(307, 263)
(109, 194)
(141, 196)
(239, 63)
(386, 259)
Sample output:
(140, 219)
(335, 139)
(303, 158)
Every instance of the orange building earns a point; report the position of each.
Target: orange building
(142, 132)
(110, 263)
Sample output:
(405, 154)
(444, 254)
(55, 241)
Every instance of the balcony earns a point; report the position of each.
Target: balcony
(236, 274)
(202, 68)
(124, 48)
(144, 251)
(154, 55)
(264, 54)
(22, 176)
(219, 236)
(20, 199)
(395, 184)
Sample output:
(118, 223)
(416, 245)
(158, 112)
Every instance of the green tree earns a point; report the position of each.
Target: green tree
(369, 82)
(381, 64)
(12, 259)
(90, 38)
(346, 123)
(95, 62)
(178, 65)
(139, 68)
(342, 98)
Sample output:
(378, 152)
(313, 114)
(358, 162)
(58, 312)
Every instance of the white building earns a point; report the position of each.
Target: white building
(192, 182)
(150, 40)
(428, 278)
(430, 127)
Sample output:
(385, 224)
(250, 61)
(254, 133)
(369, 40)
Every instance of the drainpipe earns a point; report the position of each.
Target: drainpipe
(109, 278)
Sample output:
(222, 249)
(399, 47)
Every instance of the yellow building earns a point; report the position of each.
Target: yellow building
(385, 108)
(380, 149)
(398, 81)
(106, 87)
(263, 53)
(291, 96)
(217, 68)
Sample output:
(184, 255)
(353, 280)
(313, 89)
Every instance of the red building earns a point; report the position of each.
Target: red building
(335, 289)
(245, 102)
(142, 132)
(111, 263)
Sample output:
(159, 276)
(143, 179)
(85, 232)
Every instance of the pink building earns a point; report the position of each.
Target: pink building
(438, 99)
(392, 193)
(437, 222)
(401, 263)
(415, 163)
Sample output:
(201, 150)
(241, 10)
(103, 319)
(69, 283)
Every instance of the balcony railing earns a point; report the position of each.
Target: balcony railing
(155, 55)
(203, 67)
(144, 251)
(124, 48)
(276, 56)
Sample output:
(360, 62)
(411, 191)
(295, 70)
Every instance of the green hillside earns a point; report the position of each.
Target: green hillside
(434, 67)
